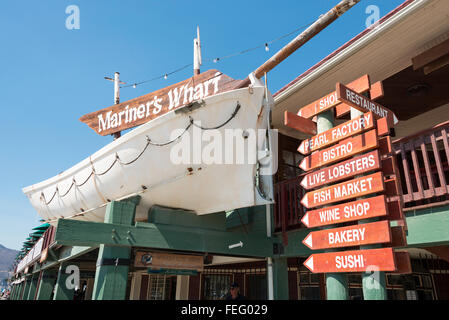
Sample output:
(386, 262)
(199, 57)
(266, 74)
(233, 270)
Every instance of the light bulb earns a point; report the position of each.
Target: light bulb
(216, 60)
(134, 85)
(266, 47)
(165, 77)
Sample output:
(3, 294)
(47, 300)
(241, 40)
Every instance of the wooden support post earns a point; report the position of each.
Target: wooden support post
(336, 283)
(46, 284)
(373, 282)
(111, 276)
(26, 289)
(33, 286)
(12, 292)
(62, 291)
(18, 291)
(280, 278)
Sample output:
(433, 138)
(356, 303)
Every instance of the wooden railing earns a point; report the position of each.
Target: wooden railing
(423, 161)
(288, 210)
(49, 237)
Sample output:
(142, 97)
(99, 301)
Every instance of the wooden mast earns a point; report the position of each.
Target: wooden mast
(300, 40)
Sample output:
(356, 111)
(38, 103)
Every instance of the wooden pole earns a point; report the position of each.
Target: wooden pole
(324, 21)
(117, 97)
(374, 285)
(336, 283)
(196, 53)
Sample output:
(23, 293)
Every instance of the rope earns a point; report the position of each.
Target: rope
(117, 158)
(223, 124)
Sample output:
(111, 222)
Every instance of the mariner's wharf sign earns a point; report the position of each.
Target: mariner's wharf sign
(351, 175)
(142, 109)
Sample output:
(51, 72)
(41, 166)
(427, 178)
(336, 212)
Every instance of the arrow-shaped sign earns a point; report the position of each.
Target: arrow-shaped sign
(341, 151)
(232, 246)
(362, 103)
(343, 170)
(331, 100)
(349, 211)
(343, 191)
(355, 235)
(352, 261)
(338, 133)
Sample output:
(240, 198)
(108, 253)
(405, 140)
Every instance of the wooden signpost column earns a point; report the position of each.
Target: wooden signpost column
(336, 283)
(345, 185)
(373, 285)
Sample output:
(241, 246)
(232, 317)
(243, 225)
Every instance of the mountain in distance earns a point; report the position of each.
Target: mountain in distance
(7, 257)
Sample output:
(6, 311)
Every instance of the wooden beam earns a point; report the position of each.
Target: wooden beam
(431, 55)
(299, 123)
(83, 233)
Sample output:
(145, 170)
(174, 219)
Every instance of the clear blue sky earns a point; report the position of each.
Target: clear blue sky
(50, 76)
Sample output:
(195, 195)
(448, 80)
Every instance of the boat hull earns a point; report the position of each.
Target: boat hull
(143, 162)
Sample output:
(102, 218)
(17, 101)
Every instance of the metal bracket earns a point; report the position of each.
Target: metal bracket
(191, 107)
(278, 248)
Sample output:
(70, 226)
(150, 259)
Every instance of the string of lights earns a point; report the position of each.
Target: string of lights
(266, 45)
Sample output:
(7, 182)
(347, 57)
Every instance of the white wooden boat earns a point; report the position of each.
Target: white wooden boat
(83, 191)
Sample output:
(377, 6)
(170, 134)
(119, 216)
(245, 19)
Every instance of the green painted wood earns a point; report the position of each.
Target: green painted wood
(12, 292)
(26, 289)
(429, 227)
(33, 286)
(47, 284)
(22, 289)
(62, 290)
(83, 233)
(237, 218)
(336, 283)
(111, 281)
(280, 278)
(180, 217)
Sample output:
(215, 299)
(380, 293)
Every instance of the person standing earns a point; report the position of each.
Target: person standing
(234, 292)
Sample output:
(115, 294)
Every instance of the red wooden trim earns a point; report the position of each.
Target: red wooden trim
(299, 123)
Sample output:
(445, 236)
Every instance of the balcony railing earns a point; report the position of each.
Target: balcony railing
(423, 164)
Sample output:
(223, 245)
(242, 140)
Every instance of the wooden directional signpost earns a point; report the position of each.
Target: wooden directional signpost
(352, 176)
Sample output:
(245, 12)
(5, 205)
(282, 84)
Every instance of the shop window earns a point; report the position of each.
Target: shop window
(161, 287)
(396, 294)
(309, 287)
(256, 287)
(216, 286)
(355, 291)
